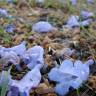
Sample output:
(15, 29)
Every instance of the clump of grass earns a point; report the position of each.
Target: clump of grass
(6, 38)
(32, 3)
(70, 8)
(56, 4)
(15, 1)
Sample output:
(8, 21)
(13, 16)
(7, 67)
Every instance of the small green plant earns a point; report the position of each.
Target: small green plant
(5, 36)
(1, 31)
(78, 92)
(70, 8)
(32, 3)
(7, 39)
(4, 83)
(15, 1)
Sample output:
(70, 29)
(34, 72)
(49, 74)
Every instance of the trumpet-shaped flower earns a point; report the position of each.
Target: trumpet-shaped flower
(70, 74)
(29, 81)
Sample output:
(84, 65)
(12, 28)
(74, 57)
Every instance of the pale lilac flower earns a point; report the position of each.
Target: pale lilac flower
(73, 2)
(19, 49)
(29, 81)
(10, 58)
(61, 89)
(90, 1)
(10, 28)
(69, 74)
(85, 14)
(66, 52)
(34, 56)
(13, 91)
(72, 21)
(89, 62)
(9, 1)
(3, 13)
(42, 26)
(85, 22)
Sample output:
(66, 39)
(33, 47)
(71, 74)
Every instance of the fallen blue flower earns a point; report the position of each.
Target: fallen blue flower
(13, 91)
(85, 22)
(10, 58)
(10, 28)
(19, 49)
(9, 1)
(73, 2)
(61, 89)
(66, 52)
(42, 26)
(65, 79)
(3, 13)
(72, 22)
(85, 14)
(89, 62)
(29, 81)
(33, 56)
(90, 1)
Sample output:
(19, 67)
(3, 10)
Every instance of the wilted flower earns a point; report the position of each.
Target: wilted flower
(72, 22)
(19, 49)
(69, 75)
(73, 2)
(13, 91)
(3, 13)
(66, 52)
(10, 28)
(9, 1)
(85, 22)
(85, 14)
(42, 26)
(8, 58)
(90, 1)
(34, 56)
(29, 81)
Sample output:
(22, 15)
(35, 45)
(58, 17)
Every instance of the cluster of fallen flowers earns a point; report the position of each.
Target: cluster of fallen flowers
(84, 19)
(66, 75)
